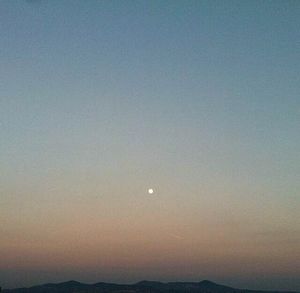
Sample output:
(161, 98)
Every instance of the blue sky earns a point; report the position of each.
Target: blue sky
(100, 100)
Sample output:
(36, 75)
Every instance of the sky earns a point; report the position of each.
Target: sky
(102, 100)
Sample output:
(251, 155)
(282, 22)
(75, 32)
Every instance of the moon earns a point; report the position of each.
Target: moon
(150, 191)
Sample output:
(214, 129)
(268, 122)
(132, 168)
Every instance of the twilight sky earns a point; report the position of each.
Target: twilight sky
(101, 100)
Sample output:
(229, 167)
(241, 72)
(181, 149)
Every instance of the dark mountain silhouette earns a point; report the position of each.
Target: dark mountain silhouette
(140, 287)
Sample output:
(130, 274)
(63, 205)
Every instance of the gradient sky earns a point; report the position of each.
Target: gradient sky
(101, 100)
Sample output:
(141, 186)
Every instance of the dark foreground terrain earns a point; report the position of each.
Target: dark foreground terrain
(144, 286)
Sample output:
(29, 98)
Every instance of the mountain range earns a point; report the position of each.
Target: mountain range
(143, 287)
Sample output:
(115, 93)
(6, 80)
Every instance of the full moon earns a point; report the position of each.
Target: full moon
(150, 191)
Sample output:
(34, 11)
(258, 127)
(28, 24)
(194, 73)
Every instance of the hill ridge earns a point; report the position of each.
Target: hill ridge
(72, 286)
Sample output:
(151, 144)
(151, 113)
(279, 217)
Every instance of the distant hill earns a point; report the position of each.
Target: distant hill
(142, 287)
